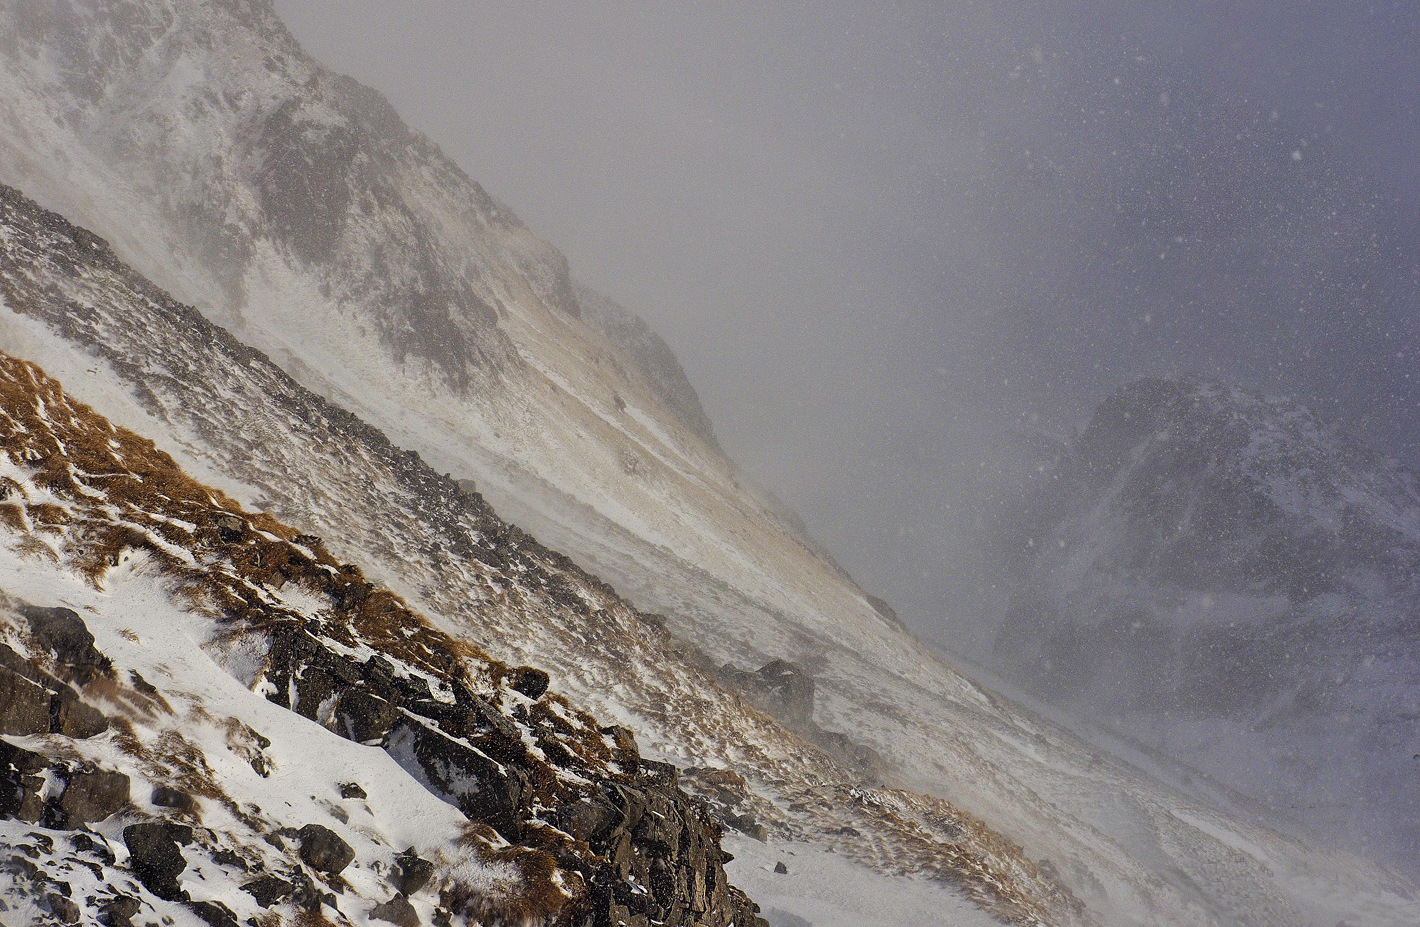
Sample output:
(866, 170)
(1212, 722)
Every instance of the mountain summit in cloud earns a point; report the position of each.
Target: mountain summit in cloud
(1234, 580)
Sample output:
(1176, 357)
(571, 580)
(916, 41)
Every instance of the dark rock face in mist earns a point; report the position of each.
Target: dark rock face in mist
(1231, 579)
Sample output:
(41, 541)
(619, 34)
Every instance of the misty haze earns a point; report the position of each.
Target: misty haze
(616, 464)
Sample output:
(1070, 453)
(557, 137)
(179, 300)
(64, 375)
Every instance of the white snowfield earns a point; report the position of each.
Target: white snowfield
(143, 628)
(567, 438)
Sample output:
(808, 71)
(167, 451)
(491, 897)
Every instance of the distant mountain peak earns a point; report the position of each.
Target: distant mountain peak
(1205, 559)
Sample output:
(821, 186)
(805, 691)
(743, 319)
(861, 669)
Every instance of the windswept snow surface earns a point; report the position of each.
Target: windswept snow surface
(823, 889)
(160, 129)
(1135, 851)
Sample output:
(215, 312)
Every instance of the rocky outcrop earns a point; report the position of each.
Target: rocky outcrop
(34, 702)
(36, 787)
(786, 691)
(155, 857)
(323, 849)
(652, 852)
(780, 687)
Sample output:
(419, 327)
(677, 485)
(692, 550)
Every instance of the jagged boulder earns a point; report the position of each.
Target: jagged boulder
(34, 702)
(64, 633)
(268, 890)
(665, 842)
(782, 688)
(74, 718)
(214, 913)
(21, 785)
(324, 850)
(230, 528)
(363, 717)
(155, 858)
(530, 681)
(92, 795)
(479, 786)
(587, 819)
(165, 796)
(397, 911)
(62, 907)
(119, 911)
(414, 873)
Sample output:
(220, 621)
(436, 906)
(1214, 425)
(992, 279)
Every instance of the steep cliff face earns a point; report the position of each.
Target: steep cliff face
(1234, 580)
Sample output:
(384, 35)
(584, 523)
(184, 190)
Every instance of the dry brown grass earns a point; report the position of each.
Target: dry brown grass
(13, 515)
(102, 468)
(542, 897)
(150, 490)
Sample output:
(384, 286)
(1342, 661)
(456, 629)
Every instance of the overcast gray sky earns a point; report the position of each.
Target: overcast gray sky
(881, 235)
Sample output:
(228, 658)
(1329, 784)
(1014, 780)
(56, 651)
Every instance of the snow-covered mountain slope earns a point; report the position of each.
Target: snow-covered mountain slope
(291, 205)
(233, 418)
(1234, 581)
(1134, 851)
(210, 719)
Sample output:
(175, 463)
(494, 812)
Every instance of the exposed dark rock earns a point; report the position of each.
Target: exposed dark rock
(165, 796)
(214, 913)
(587, 820)
(667, 843)
(230, 528)
(73, 718)
(223, 856)
(21, 786)
(312, 689)
(92, 796)
(364, 718)
(33, 702)
(24, 705)
(659, 773)
(780, 868)
(352, 790)
(181, 833)
(119, 911)
(85, 843)
(530, 681)
(782, 688)
(64, 633)
(479, 786)
(155, 859)
(307, 895)
(323, 849)
(747, 825)
(865, 760)
(268, 890)
(414, 873)
(396, 911)
(62, 908)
